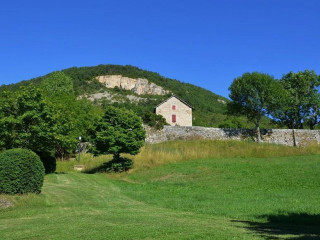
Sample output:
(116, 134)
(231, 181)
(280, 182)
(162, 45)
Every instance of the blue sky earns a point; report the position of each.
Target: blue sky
(204, 42)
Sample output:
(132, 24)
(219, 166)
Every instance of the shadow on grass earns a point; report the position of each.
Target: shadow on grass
(299, 226)
(119, 165)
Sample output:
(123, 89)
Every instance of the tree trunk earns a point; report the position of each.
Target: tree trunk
(258, 133)
(294, 135)
(116, 156)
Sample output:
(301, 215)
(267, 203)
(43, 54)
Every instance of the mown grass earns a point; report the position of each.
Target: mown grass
(225, 197)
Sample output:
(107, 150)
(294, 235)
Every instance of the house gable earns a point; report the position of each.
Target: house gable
(175, 111)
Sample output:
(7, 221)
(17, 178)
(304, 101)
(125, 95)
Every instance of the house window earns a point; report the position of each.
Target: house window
(174, 118)
(173, 107)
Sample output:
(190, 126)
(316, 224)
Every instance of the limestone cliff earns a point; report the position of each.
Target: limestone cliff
(139, 86)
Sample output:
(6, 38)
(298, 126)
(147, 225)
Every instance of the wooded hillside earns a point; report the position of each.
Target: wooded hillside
(209, 108)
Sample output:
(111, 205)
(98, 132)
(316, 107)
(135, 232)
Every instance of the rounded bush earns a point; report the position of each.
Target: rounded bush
(21, 171)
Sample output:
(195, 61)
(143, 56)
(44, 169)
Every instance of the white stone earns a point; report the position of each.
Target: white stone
(140, 86)
(182, 111)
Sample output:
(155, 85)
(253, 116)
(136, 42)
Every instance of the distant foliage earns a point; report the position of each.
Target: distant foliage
(231, 122)
(154, 120)
(21, 171)
(208, 111)
(57, 83)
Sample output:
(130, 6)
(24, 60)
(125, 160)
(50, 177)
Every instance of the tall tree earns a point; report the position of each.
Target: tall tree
(301, 102)
(254, 95)
(73, 118)
(302, 99)
(26, 121)
(118, 131)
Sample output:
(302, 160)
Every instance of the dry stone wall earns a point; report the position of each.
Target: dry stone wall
(275, 136)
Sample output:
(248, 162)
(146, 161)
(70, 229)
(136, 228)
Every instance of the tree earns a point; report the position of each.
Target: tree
(26, 121)
(73, 118)
(118, 131)
(57, 83)
(302, 98)
(301, 102)
(254, 95)
(154, 120)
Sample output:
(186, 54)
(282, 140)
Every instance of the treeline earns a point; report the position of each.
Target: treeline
(38, 125)
(46, 120)
(292, 101)
(50, 120)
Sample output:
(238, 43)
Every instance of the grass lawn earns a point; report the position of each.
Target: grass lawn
(211, 198)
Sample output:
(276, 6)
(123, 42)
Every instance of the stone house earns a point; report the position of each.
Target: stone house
(176, 111)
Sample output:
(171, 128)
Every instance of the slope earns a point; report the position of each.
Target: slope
(209, 108)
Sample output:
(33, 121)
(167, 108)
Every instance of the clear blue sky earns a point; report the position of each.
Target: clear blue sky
(204, 42)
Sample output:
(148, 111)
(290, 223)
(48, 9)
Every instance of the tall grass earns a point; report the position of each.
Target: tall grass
(176, 151)
(153, 155)
(86, 159)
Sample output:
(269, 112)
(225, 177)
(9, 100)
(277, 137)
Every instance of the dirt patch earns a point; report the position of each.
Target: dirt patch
(5, 203)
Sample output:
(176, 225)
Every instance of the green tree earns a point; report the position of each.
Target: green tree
(26, 121)
(57, 83)
(118, 131)
(73, 118)
(301, 101)
(154, 120)
(254, 95)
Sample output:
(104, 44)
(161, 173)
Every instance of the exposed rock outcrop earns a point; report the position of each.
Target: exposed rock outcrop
(139, 86)
(222, 101)
(112, 97)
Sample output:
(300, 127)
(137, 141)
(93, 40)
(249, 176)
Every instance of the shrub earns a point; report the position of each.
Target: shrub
(21, 171)
(153, 120)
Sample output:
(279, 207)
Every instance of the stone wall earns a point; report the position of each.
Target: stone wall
(275, 136)
(139, 86)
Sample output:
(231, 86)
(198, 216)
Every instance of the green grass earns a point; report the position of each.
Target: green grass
(210, 198)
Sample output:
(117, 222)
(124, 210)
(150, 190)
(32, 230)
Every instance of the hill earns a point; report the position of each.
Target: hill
(209, 108)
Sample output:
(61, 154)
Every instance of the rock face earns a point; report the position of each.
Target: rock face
(112, 97)
(139, 86)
